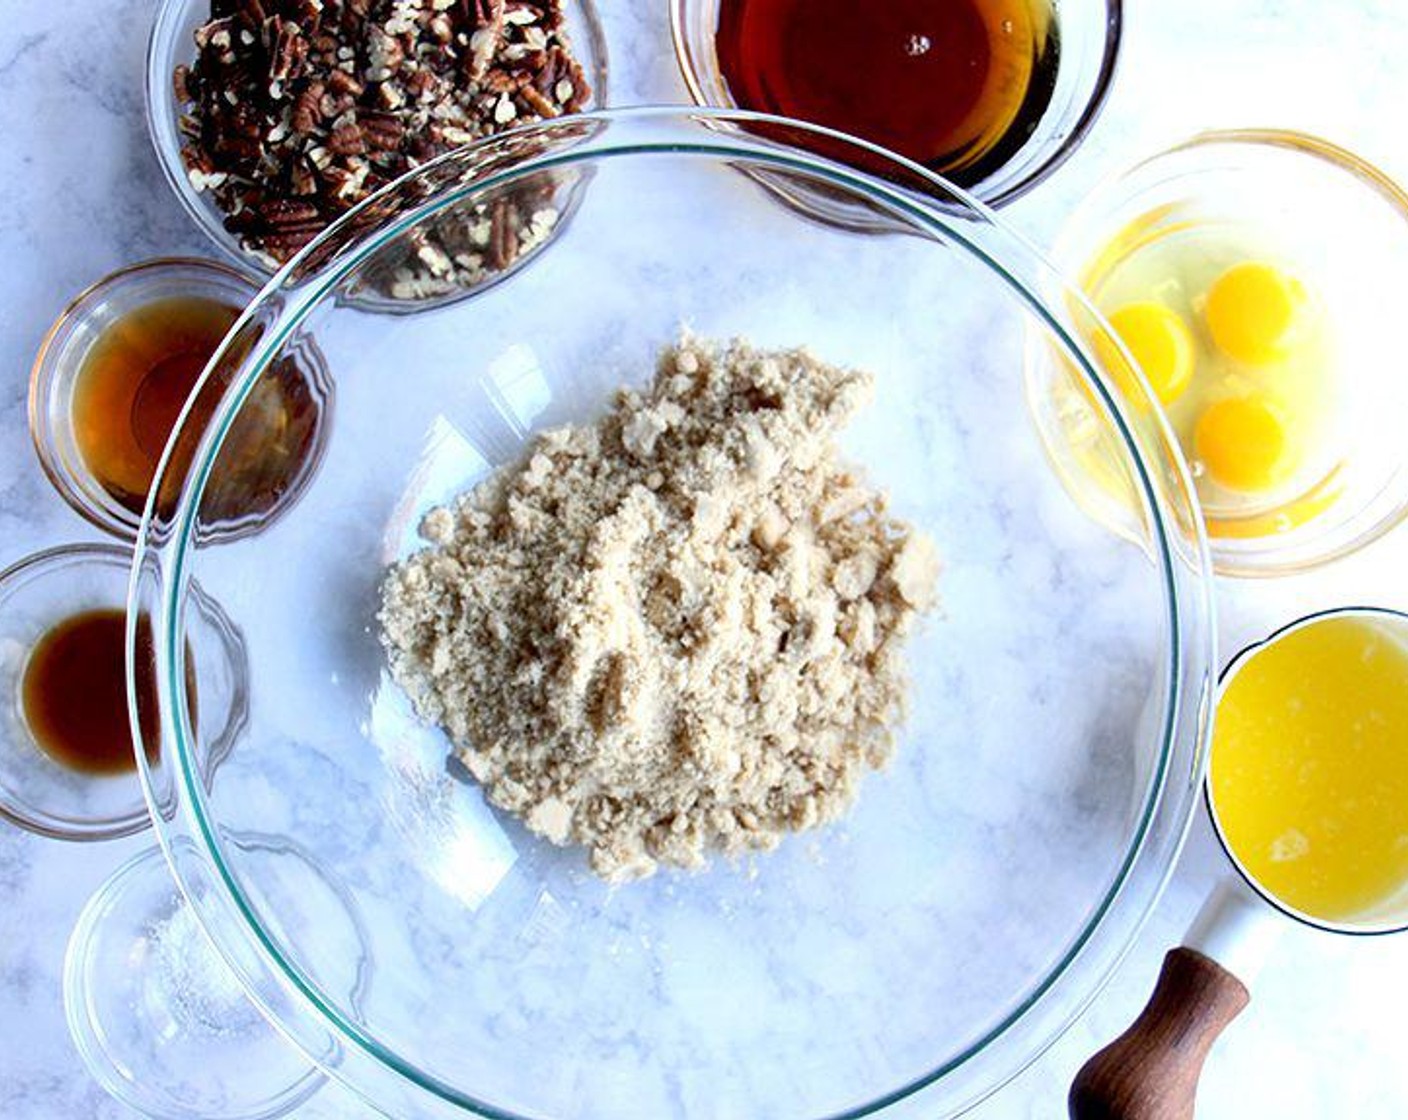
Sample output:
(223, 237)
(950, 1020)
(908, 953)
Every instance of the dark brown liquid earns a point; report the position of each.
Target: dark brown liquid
(957, 85)
(74, 694)
(136, 380)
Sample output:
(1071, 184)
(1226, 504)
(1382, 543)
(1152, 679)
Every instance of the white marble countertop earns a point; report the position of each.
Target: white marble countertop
(83, 196)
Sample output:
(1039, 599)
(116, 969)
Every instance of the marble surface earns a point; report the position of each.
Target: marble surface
(85, 196)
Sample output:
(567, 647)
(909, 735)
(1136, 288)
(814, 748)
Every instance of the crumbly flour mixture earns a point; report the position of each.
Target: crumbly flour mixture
(677, 631)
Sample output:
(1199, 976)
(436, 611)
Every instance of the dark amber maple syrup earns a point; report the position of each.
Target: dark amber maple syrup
(74, 694)
(956, 85)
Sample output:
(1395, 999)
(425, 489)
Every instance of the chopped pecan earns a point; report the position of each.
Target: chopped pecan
(550, 72)
(197, 160)
(340, 182)
(284, 245)
(309, 13)
(344, 84)
(305, 179)
(484, 43)
(307, 111)
(537, 103)
(182, 85)
(347, 140)
(384, 55)
(503, 241)
(381, 132)
(288, 53)
(421, 84)
(217, 34)
(502, 81)
(287, 214)
(441, 27)
(575, 78)
(294, 111)
(390, 95)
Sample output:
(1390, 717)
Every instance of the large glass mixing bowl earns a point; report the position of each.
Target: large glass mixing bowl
(910, 958)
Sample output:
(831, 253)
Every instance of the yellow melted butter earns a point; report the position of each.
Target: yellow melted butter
(1309, 772)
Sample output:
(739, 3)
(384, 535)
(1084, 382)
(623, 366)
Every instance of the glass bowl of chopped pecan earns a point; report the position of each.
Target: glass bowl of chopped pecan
(600, 664)
(273, 118)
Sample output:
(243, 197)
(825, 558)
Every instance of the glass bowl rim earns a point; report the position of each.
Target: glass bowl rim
(1267, 560)
(46, 370)
(692, 72)
(725, 144)
(42, 563)
(158, 68)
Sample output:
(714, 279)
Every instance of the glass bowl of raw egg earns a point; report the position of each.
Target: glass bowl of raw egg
(1260, 328)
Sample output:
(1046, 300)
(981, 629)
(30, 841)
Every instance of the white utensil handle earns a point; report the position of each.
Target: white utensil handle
(1235, 928)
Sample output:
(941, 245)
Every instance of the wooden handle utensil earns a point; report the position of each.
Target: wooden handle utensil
(1151, 1071)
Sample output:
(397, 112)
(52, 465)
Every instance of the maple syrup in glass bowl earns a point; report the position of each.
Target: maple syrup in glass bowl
(991, 94)
(907, 960)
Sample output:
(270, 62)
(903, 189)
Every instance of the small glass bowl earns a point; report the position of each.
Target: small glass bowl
(172, 43)
(1345, 223)
(65, 349)
(38, 793)
(160, 1020)
(1089, 33)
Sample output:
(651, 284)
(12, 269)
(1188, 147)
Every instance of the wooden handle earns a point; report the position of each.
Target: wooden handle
(1151, 1071)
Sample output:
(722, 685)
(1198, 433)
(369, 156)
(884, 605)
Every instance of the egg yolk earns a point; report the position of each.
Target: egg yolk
(1251, 312)
(1243, 444)
(1160, 343)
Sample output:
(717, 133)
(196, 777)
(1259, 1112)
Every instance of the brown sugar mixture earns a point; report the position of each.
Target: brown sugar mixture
(677, 631)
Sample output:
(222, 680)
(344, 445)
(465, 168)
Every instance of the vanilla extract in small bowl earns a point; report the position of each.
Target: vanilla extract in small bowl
(68, 758)
(74, 693)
